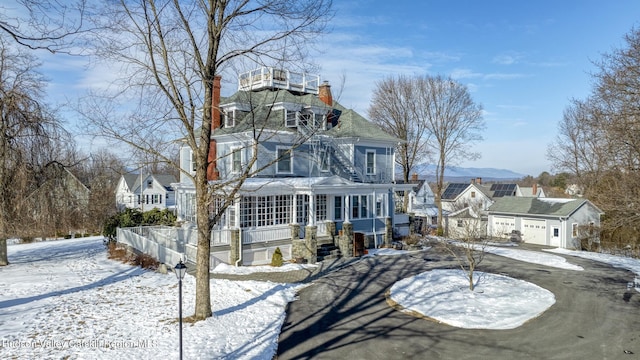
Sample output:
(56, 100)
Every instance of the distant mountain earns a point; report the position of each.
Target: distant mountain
(461, 174)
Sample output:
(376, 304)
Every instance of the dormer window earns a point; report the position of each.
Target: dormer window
(230, 118)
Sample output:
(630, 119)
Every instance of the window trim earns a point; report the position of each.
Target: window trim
(230, 118)
(370, 170)
(282, 159)
(236, 150)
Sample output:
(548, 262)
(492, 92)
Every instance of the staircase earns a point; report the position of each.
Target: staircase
(324, 145)
(327, 250)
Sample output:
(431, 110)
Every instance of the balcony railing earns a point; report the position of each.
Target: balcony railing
(269, 78)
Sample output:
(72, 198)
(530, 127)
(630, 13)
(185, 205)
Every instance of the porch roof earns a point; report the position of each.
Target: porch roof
(332, 184)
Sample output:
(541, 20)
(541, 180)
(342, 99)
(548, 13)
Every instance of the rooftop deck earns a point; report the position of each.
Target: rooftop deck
(271, 78)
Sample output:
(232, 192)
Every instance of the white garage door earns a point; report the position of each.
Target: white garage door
(501, 226)
(534, 231)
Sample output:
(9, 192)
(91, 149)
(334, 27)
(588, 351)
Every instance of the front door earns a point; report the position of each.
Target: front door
(555, 236)
(302, 213)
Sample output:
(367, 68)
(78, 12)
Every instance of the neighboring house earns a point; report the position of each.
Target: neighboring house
(468, 203)
(156, 192)
(466, 224)
(543, 221)
(342, 173)
(421, 204)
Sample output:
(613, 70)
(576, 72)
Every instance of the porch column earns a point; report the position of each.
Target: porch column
(388, 234)
(347, 207)
(294, 207)
(312, 210)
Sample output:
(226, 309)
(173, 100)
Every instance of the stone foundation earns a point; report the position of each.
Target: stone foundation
(345, 241)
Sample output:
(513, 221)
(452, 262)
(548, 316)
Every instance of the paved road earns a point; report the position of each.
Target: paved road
(344, 315)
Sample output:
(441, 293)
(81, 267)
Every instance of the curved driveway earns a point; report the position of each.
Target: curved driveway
(344, 315)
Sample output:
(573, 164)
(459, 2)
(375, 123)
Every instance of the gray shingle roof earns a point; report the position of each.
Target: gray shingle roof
(536, 206)
(351, 124)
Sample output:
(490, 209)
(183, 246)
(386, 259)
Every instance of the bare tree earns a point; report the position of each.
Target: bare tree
(30, 138)
(599, 140)
(471, 241)
(51, 25)
(172, 54)
(395, 107)
(454, 121)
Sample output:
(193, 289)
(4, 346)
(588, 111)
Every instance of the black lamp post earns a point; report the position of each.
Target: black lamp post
(180, 270)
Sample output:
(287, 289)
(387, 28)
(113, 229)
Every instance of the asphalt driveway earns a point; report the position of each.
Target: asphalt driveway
(344, 315)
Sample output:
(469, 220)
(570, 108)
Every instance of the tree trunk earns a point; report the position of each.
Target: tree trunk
(203, 287)
(4, 261)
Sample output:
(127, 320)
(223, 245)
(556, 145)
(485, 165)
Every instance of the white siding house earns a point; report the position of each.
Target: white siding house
(156, 192)
(543, 221)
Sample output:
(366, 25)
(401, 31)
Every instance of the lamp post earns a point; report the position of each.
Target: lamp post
(180, 270)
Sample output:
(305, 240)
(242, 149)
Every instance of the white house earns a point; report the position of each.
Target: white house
(342, 174)
(467, 204)
(156, 192)
(543, 221)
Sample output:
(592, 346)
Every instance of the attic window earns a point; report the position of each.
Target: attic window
(149, 184)
(473, 194)
(230, 118)
(290, 118)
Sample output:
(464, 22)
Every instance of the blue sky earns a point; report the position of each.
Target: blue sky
(522, 60)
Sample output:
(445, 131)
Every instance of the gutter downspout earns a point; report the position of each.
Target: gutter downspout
(373, 205)
(239, 247)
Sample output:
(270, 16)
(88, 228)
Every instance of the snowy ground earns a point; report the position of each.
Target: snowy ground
(497, 301)
(65, 299)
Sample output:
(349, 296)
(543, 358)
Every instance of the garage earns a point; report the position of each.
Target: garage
(501, 226)
(534, 231)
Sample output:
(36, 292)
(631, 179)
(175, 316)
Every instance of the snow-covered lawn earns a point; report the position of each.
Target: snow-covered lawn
(497, 302)
(65, 298)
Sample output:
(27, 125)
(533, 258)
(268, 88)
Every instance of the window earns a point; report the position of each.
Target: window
(355, 207)
(149, 184)
(192, 160)
(321, 207)
(371, 162)
(473, 194)
(574, 230)
(247, 205)
(284, 160)
(236, 160)
(460, 223)
(304, 118)
(324, 160)
(380, 201)
(283, 209)
(364, 211)
(290, 118)
(556, 232)
(302, 208)
(264, 210)
(229, 119)
(337, 208)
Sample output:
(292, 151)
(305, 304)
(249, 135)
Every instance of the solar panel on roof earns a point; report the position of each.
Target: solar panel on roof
(500, 190)
(453, 190)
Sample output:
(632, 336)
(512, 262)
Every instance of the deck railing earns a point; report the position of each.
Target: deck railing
(268, 77)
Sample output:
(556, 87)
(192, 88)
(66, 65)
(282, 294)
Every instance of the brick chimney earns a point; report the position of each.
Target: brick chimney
(324, 93)
(212, 169)
(535, 189)
(479, 180)
(414, 177)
